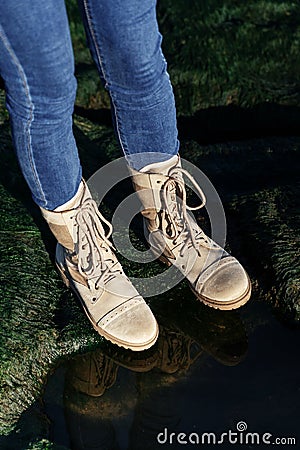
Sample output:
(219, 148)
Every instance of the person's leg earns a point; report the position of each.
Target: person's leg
(36, 63)
(125, 43)
(37, 67)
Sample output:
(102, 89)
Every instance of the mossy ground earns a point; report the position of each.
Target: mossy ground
(222, 56)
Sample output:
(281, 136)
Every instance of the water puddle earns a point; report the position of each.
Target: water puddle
(210, 372)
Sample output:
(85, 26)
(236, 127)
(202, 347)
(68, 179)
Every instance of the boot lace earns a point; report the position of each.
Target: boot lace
(176, 352)
(92, 244)
(175, 212)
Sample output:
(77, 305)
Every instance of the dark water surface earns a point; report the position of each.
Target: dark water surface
(209, 372)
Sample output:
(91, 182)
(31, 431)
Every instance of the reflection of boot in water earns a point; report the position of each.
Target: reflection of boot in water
(219, 333)
(158, 406)
(179, 345)
(88, 377)
(92, 373)
(162, 395)
(176, 352)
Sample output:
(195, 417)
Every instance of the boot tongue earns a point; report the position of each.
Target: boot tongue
(162, 167)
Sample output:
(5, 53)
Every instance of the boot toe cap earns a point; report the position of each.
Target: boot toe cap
(131, 325)
(228, 285)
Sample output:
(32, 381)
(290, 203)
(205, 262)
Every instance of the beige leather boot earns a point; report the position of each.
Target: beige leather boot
(88, 265)
(217, 278)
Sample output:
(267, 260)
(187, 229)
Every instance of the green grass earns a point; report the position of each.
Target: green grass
(218, 53)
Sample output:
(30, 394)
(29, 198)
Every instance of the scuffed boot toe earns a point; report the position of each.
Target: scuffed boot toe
(226, 286)
(131, 325)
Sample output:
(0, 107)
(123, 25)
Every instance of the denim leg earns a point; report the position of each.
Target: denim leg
(36, 63)
(125, 43)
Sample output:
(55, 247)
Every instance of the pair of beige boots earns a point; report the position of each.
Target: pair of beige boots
(88, 264)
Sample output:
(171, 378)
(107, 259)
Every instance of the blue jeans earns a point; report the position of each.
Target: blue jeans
(37, 65)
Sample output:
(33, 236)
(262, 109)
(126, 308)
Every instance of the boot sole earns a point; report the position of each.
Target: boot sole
(68, 282)
(224, 306)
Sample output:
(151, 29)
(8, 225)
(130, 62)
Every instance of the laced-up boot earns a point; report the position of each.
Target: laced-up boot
(217, 278)
(87, 263)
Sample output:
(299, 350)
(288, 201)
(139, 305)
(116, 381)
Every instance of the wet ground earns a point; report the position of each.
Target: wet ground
(207, 377)
(209, 372)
